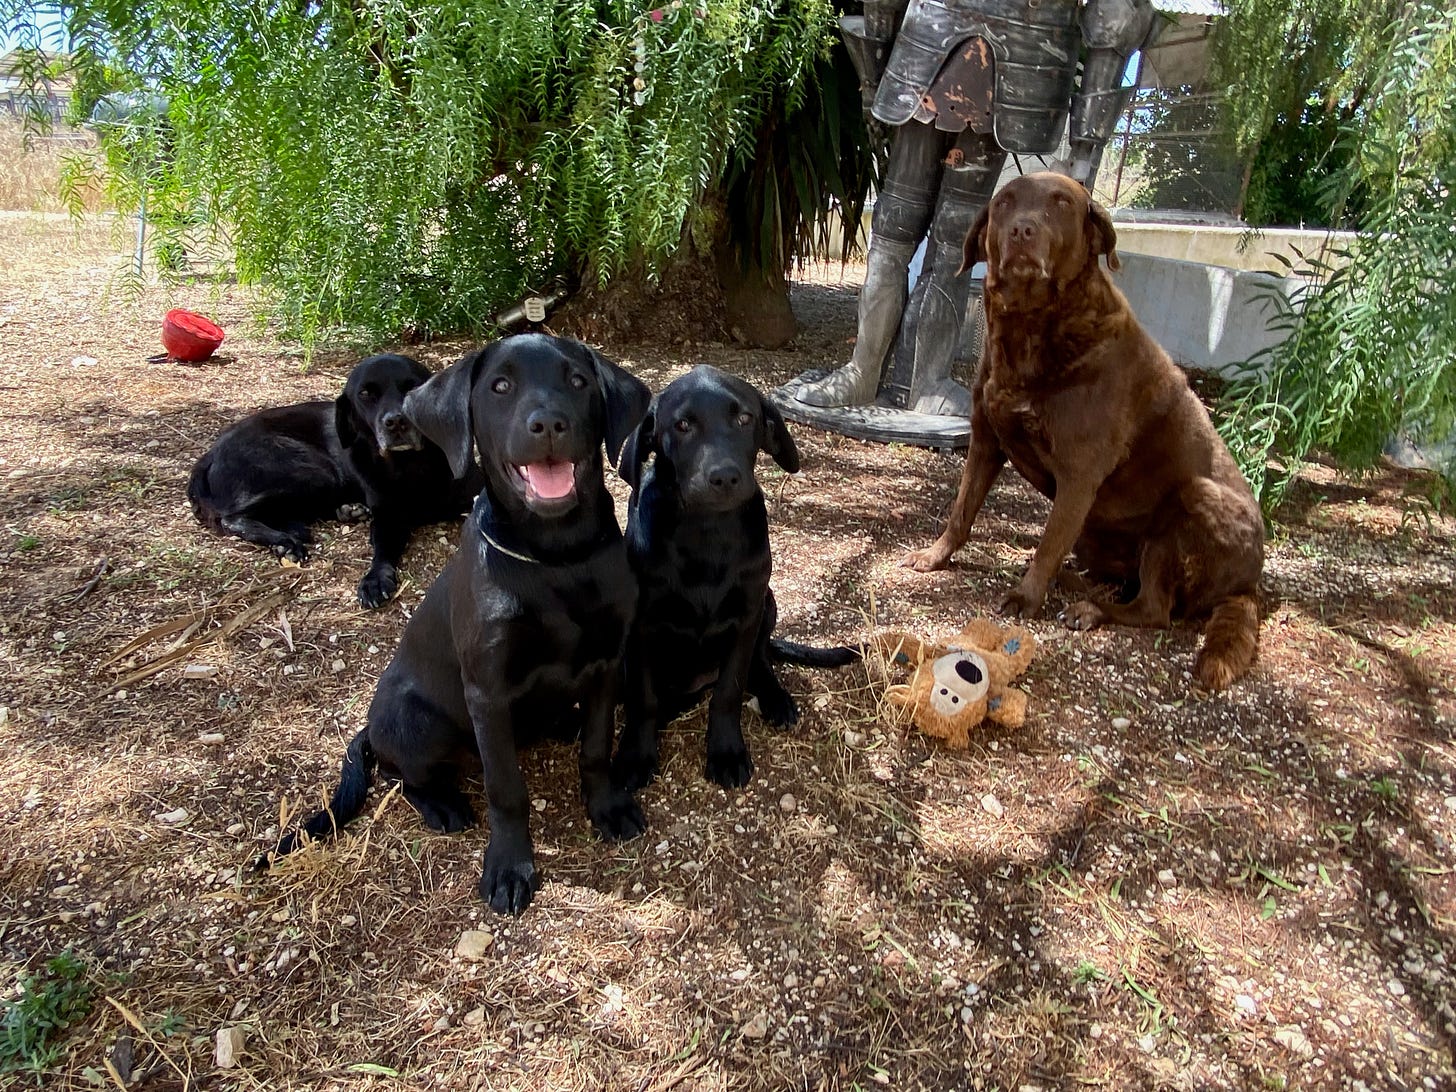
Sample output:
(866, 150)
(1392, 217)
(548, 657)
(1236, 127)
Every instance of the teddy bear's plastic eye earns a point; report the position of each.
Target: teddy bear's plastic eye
(943, 690)
(954, 700)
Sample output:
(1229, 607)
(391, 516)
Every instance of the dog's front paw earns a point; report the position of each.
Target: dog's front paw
(1022, 601)
(730, 767)
(378, 586)
(777, 708)
(509, 880)
(351, 513)
(616, 816)
(1083, 614)
(294, 550)
(928, 560)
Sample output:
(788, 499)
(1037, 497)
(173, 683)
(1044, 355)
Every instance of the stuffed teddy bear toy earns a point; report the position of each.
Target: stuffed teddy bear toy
(957, 685)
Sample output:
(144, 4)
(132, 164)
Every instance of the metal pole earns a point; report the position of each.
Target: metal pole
(141, 232)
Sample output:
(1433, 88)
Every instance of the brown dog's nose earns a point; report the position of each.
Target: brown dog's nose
(1024, 229)
(546, 420)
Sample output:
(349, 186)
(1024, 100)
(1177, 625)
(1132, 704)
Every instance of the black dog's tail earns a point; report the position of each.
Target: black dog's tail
(200, 496)
(791, 652)
(348, 801)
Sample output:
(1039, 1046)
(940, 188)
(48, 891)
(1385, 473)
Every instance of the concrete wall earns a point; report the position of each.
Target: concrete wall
(1234, 247)
(1206, 316)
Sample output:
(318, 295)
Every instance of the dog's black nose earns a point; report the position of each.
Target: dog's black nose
(394, 422)
(724, 477)
(546, 420)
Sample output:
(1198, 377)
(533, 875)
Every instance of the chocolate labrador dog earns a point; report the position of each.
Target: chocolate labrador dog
(271, 475)
(522, 633)
(1094, 414)
(697, 535)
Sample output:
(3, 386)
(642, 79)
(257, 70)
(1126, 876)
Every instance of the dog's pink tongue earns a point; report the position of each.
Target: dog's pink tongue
(550, 480)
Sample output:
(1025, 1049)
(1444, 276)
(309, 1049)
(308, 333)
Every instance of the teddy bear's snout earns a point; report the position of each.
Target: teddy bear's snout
(968, 670)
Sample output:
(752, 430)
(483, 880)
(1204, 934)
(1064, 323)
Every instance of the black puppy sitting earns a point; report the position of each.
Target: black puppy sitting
(697, 535)
(528, 619)
(271, 475)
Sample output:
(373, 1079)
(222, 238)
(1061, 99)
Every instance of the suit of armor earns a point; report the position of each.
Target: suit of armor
(964, 82)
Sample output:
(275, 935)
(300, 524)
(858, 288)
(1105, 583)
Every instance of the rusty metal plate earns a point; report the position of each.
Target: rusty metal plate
(962, 94)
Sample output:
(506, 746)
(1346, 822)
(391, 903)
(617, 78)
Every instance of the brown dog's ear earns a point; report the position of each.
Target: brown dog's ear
(776, 439)
(440, 408)
(1101, 235)
(626, 397)
(638, 448)
(975, 248)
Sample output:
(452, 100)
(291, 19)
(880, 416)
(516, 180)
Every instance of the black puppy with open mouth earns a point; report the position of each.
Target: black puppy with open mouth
(272, 474)
(697, 535)
(524, 629)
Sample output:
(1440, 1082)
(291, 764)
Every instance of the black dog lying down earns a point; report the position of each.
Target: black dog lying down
(697, 535)
(272, 474)
(528, 619)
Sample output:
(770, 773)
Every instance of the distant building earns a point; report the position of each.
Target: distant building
(53, 96)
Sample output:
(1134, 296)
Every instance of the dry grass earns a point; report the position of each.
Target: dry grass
(1250, 890)
(30, 171)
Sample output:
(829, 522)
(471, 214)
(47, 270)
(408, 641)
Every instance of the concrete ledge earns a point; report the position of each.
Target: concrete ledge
(1206, 316)
(1234, 247)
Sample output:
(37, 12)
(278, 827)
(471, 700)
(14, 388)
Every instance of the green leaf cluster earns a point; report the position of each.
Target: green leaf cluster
(48, 1003)
(378, 164)
(1372, 345)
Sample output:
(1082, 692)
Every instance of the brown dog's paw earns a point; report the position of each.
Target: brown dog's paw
(1021, 602)
(929, 560)
(1084, 614)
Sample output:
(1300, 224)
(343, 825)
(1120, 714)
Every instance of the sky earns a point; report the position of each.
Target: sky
(51, 28)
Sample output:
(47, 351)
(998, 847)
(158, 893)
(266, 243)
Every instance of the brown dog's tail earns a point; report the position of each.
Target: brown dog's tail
(1230, 641)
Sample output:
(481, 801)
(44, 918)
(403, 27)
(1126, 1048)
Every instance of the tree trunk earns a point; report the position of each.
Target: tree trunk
(704, 294)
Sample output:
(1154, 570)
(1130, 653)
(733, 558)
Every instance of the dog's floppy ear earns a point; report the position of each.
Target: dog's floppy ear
(626, 398)
(975, 248)
(345, 420)
(440, 408)
(1101, 235)
(776, 439)
(638, 448)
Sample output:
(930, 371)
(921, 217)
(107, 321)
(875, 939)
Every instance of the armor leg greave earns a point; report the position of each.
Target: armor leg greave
(903, 211)
(930, 330)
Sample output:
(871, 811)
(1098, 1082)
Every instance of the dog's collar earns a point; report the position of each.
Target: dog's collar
(505, 549)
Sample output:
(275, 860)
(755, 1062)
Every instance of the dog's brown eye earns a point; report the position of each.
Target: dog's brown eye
(501, 385)
(684, 425)
(369, 392)
(744, 420)
(579, 382)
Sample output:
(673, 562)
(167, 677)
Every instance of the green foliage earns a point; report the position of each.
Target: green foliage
(379, 164)
(48, 1003)
(1372, 350)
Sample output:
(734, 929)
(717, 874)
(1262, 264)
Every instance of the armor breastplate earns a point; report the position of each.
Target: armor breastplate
(1035, 44)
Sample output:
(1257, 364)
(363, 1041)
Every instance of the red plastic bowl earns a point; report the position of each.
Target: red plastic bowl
(188, 336)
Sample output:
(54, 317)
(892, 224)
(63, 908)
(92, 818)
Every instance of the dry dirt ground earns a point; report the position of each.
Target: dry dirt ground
(1144, 887)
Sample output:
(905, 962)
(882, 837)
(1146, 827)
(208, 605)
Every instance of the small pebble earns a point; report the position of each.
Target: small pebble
(787, 803)
(991, 804)
(474, 943)
(231, 1042)
(1121, 724)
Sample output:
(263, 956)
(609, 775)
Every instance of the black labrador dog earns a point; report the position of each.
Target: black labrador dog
(523, 632)
(697, 535)
(271, 475)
